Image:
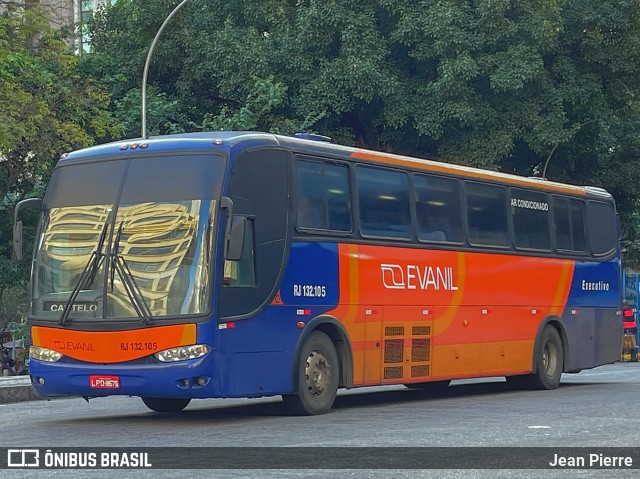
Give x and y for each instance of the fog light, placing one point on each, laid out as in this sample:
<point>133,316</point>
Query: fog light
<point>41,380</point>
<point>44,354</point>
<point>183,353</point>
<point>201,381</point>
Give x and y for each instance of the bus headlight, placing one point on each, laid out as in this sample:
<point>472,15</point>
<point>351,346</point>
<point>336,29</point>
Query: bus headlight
<point>182,353</point>
<point>44,354</point>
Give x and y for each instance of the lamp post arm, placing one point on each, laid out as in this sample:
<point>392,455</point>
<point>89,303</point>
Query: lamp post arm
<point>546,163</point>
<point>145,73</point>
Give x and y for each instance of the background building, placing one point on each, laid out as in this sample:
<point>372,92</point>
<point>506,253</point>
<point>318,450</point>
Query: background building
<point>82,11</point>
<point>66,13</point>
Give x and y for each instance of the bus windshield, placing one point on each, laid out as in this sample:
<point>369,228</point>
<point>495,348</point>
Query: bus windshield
<point>97,253</point>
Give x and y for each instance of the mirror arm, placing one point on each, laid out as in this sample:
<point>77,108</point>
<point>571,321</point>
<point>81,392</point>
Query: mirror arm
<point>29,203</point>
<point>226,203</point>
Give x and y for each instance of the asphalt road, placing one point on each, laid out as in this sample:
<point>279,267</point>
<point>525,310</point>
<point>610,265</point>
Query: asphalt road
<point>597,408</point>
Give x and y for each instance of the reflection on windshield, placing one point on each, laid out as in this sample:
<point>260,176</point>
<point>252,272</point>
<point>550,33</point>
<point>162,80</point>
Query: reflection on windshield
<point>70,236</point>
<point>164,244</point>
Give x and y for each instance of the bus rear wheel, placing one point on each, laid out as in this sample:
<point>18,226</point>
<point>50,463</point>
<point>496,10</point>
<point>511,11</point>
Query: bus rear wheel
<point>166,404</point>
<point>549,362</point>
<point>318,373</point>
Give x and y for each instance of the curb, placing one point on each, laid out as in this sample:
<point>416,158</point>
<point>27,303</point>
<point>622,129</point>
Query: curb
<point>14,390</point>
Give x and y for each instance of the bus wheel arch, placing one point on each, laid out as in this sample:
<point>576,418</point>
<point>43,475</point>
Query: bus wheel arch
<point>322,363</point>
<point>338,335</point>
<point>333,328</point>
<point>549,356</point>
<point>551,322</point>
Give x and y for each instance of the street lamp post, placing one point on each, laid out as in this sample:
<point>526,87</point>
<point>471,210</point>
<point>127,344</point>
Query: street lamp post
<point>145,73</point>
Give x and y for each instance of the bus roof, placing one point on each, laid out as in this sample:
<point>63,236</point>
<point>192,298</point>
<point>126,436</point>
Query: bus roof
<point>228,140</point>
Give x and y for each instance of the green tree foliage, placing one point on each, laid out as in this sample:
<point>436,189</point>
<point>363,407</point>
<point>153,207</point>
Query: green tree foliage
<point>47,108</point>
<point>544,85</point>
<point>473,82</point>
<point>631,244</point>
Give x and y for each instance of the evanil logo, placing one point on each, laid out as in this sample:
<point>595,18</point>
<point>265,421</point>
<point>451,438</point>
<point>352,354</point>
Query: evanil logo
<point>412,276</point>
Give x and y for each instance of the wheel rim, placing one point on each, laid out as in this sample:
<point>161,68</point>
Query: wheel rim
<point>549,358</point>
<point>318,373</point>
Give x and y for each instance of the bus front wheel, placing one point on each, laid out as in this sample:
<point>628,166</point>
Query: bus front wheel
<point>166,404</point>
<point>318,372</point>
<point>549,362</point>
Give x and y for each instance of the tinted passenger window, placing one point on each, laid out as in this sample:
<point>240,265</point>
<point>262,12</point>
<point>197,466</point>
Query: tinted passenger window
<point>602,227</point>
<point>384,202</point>
<point>530,213</point>
<point>438,211</point>
<point>570,225</point>
<point>487,214</point>
<point>322,196</point>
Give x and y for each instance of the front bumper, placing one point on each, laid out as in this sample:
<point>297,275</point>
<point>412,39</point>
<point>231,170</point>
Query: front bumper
<point>194,378</point>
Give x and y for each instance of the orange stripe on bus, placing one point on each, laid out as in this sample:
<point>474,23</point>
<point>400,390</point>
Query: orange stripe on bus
<point>113,346</point>
<point>564,285</point>
<point>428,165</point>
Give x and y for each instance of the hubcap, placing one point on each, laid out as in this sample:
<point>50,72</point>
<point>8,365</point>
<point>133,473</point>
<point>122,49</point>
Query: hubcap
<point>318,373</point>
<point>549,358</point>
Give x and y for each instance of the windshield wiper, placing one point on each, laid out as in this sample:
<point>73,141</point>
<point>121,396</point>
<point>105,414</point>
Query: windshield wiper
<point>131,287</point>
<point>87,276</point>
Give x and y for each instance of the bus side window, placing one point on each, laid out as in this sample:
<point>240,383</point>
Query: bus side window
<point>601,227</point>
<point>230,271</point>
<point>437,206</point>
<point>322,196</point>
<point>530,217</point>
<point>310,212</point>
<point>487,214</point>
<point>569,225</point>
<point>384,202</point>
<point>242,273</point>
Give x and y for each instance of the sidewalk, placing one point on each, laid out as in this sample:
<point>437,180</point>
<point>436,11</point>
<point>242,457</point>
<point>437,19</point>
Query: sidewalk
<point>16,389</point>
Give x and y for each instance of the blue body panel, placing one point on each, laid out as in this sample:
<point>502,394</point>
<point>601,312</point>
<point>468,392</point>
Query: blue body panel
<point>596,285</point>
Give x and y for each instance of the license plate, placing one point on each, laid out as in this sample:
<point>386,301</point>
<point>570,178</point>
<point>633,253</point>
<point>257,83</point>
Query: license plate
<point>104,382</point>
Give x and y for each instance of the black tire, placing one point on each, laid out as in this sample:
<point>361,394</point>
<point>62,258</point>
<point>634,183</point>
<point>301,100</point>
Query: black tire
<point>430,386</point>
<point>548,365</point>
<point>166,404</point>
<point>318,374</point>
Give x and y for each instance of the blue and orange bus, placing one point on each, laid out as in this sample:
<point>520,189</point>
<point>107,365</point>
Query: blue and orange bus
<point>243,264</point>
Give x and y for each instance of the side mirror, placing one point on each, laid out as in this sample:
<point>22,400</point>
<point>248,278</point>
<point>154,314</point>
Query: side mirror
<point>236,238</point>
<point>17,242</point>
<point>29,203</point>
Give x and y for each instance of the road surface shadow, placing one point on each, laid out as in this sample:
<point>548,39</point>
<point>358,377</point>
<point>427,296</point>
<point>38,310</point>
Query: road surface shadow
<point>221,411</point>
